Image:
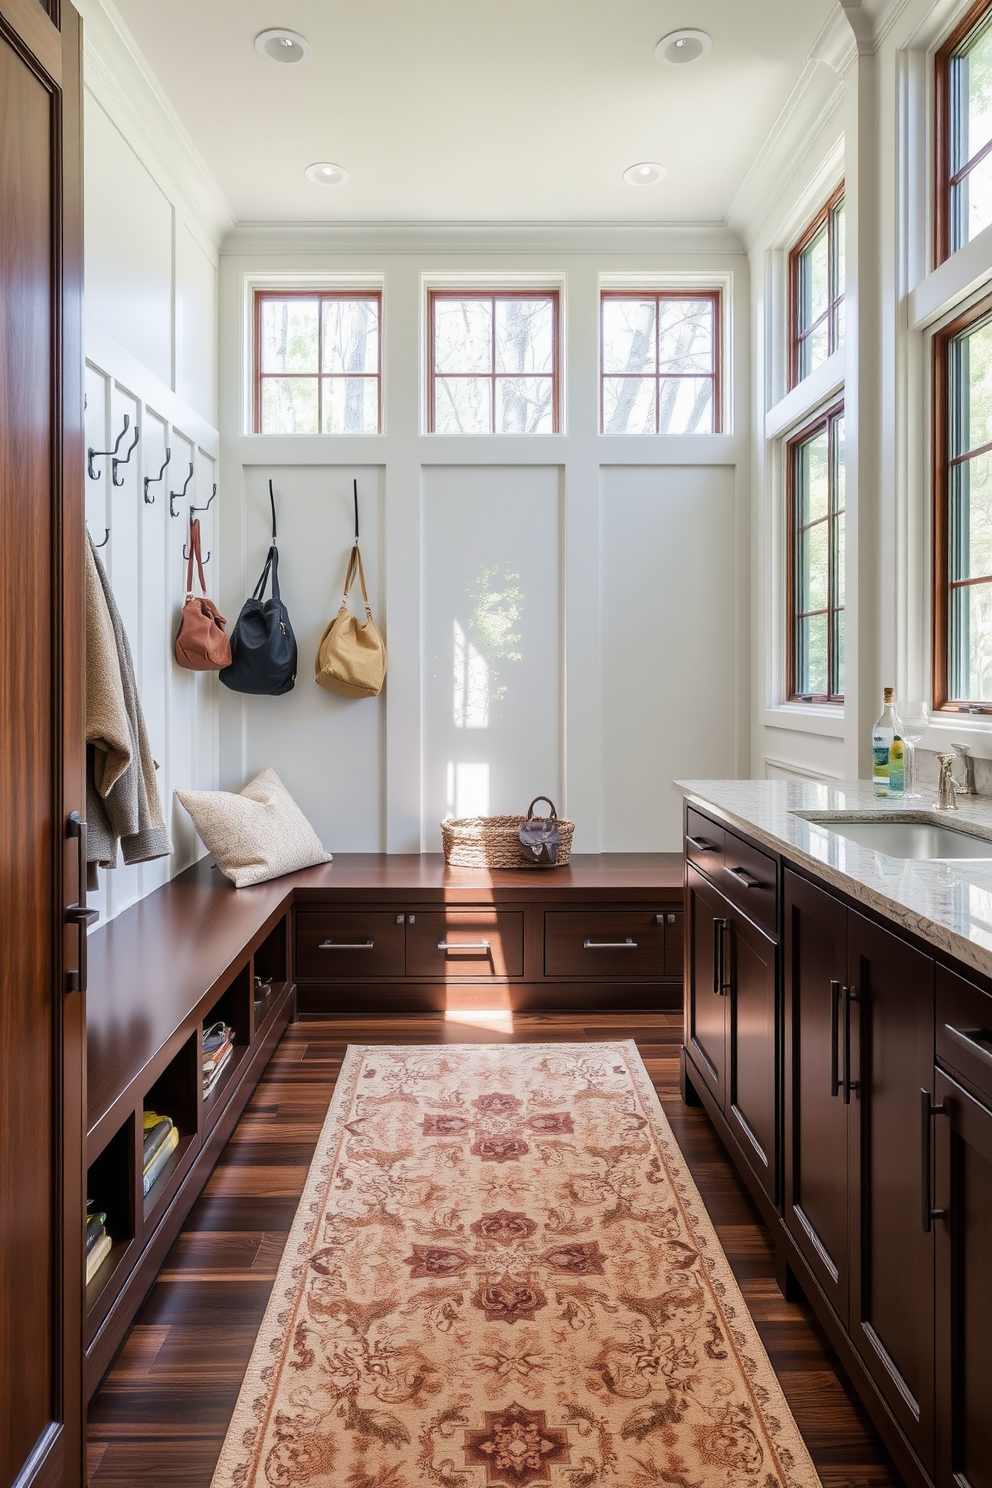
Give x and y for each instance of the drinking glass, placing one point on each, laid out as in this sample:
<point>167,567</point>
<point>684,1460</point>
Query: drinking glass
<point>914,716</point>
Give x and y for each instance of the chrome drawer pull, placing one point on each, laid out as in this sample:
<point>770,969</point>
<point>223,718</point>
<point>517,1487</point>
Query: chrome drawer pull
<point>465,945</point>
<point>346,945</point>
<point>610,945</point>
<point>700,844</point>
<point>743,878</point>
<point>975,1041</point>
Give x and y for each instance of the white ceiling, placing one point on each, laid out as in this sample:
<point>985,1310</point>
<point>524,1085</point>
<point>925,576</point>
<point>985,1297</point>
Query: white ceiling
<point>461,110</point>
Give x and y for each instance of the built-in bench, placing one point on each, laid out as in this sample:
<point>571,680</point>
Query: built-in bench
<point>367,933</point>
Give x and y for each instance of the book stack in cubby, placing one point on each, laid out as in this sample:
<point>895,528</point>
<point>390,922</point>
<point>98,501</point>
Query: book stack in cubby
<point>161,1138</point>
<point>218,1047</point>
<point>98,1242</point>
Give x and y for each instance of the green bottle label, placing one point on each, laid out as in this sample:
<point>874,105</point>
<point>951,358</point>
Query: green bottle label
<point>897,767</point>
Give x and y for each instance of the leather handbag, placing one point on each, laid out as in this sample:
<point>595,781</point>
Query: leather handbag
<point>540,836</point>
<point>351,657</point>
<point>263,646</point>
<point>201,642</point>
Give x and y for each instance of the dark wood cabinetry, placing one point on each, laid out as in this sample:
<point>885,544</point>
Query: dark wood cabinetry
<point>42,895</point>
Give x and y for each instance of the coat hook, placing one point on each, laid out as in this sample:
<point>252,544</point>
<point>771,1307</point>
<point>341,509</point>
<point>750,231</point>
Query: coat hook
<point>124,459</point>
<point>93,454</point>
<point>153,479</point>
<point>106,539</point>
<point>194,509</point>
<point>175,496</point>
<point>186,553</point>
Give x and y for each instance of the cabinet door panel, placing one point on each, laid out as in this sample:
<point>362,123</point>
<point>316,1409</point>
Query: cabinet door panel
<point>816,1118</point>
<point>706,1004</point>
<point>604,944</point>
<point>465,944</point>
<point>963,1186</point>
<point>674,942</point>
<point>892,1281</point>
<point>753,1103</point>
<point>344,944</point>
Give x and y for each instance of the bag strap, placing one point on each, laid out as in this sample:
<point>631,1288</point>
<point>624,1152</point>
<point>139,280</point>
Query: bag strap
<point>356,511</point>
<point>271,561</point>
<point>194,552</point>
<point>530,808</point>
<point>355,564</point>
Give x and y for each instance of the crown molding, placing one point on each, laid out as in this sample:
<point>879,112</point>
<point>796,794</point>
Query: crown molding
<point>120,79</point>
<point>633,238</point>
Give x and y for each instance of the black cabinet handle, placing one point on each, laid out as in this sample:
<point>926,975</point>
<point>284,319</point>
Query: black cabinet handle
<point>849,1085</point>
<point>834,1038</point>
<point>976,1041</point>
<point>700,844</point>
<point>718,928</point>
<point>726,961</point>
<point>78,914</point>
<point>745,879</point>
<point>929,1110</point>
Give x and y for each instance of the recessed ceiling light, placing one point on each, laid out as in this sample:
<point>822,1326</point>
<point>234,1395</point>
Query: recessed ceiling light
<point>679,47</point>
<point>645,174</point>
<point>283,46</point>
<point>323,173</point>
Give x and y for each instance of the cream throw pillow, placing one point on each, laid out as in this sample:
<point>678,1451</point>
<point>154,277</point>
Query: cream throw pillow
<point>257,835</point>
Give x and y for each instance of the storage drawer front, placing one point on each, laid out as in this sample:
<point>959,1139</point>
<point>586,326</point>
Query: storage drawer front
<point>465,945</point>
<point>612,943</point>
<point>750,881</point>
<point>704,843</point>
<point>348,944</point>
<point>964,1029</point>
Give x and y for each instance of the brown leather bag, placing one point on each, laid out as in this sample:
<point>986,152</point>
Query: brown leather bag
<point>201,644</point>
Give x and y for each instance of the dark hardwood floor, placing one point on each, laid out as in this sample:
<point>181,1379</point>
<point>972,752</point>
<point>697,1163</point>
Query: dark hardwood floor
<point>164,1407</point>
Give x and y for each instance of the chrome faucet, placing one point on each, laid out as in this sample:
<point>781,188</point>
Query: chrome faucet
<point>968,788</point>
<point>946,788</point>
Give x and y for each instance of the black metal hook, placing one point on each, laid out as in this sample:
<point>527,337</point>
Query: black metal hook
<point>125,459</point>
<point>194,509</point>
<point>92,454</point>
<point>175,496</point>
<point>106,539</point>
<point>186,553</point>
<point>151,480</point>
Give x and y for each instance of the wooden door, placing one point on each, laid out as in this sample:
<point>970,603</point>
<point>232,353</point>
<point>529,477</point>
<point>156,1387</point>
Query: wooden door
<point>962,1135</point>
<point>706,1003</point>
<point>891,994</point>
<point>41,727</point>
<point>815,1113</point>
<point>752,1104</point>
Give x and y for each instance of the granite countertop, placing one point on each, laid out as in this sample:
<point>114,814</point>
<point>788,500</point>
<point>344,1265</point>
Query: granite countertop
<point>947,903</point>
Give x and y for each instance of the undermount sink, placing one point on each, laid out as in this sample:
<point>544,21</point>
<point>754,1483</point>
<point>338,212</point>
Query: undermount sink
<point>910,839</point>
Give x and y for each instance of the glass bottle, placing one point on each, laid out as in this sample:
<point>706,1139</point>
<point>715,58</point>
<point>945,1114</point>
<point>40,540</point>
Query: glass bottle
<point>887,771</point>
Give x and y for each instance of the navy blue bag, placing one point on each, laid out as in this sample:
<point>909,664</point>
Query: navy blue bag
<point>263,646</point>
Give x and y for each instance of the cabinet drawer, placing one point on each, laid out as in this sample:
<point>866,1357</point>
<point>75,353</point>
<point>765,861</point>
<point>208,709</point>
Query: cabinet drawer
<point>750,881</point>
<point>704,842</point>
<point>608,944</point>
<point>964,1029</point>
<point>465,945</point>
<point>341,943</point>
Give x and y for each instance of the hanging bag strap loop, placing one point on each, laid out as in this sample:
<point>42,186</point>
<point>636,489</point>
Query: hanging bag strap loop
<point>194,552</point>
<point>355,565</point>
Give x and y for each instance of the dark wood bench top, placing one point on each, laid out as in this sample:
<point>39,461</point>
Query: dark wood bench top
<point>151,966</point>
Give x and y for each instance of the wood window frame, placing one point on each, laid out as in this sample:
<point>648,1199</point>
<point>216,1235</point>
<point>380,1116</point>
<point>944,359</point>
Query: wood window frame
<point>822,422</point>
<point>715,296</point>
<point>322,296</point>
<point>434,296</point>
<point>826,216</point>
<point>942,462</point>
<point>973,20</point>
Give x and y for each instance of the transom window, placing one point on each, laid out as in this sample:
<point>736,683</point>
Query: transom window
<point>816,279</point>
<point>964,132</point>
<point>660,362</point>
<point>317,362</point>
<point>816,560</point>
<point>494,362</point>
<point>963,512</point>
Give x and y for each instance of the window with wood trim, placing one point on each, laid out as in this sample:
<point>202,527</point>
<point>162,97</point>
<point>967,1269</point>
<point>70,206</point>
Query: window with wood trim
<point>963,512</point>
<point>660,367</point>
<point>816,560</point>
<point>816,291</point>
<point>963,132</point>
<point>493,362</point>
<point>318,358</point>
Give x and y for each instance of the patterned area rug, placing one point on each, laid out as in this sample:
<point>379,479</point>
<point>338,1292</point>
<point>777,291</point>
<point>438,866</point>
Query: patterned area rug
<point>501,1275</point>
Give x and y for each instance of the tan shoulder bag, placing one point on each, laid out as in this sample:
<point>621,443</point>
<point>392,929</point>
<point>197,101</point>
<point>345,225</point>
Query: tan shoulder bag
<point>351,657</point>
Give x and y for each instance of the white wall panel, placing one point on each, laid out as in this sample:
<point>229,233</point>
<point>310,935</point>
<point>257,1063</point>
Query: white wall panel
<point>196,325</point>
<point>668,645</point>
<point>129,247</point>
<point>326,749</point>
<point>492,645</point>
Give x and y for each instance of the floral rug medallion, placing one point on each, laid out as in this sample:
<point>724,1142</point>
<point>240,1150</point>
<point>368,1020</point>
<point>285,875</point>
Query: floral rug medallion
<point>501,1275</point>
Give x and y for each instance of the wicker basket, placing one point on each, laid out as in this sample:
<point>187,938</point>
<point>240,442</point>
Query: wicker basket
<point>494,842</point>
